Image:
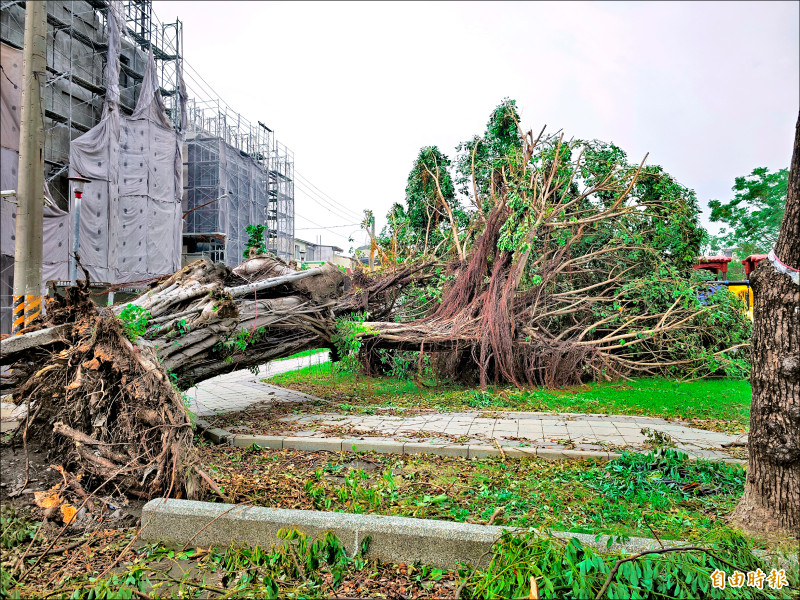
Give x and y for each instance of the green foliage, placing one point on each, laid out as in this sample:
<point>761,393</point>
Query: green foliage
<point>574,570</point>
<point>663,474</point>
<point>753,217</point>
<point>15,530</point>
<point>481,399</point>
<point>118,585</point>
<point>721,324</point>
<point>299,567</point>
<point>422,226</point>
<point>239,341</point>
<point>255,240</point>
<point>347,340</point>
<point>134,321</point>
<point>498,148</point>
<point>402,365</point>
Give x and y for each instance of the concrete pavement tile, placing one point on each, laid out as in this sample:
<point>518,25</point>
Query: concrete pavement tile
<point>604,429</point>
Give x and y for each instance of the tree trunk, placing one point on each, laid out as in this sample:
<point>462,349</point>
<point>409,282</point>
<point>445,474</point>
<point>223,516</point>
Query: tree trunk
<point>771,500</point>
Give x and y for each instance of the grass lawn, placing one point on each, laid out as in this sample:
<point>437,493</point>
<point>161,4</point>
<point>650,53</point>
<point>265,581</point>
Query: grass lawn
<point>305,353</point>
<point>636,494</point>
<point>718,404</point>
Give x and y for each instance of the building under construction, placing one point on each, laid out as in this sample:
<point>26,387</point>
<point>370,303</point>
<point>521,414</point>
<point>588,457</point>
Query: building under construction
<point>235,173</point>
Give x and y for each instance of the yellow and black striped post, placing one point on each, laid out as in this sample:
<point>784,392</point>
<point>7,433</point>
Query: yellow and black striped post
<point>18,319</point>
<point>33,306</point>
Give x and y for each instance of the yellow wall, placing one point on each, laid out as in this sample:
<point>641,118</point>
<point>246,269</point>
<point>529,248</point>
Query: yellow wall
<point>745,292</point>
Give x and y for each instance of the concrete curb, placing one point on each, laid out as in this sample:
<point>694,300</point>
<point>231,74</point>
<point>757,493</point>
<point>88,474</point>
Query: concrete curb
<point>215,434</point>
<point>442,544</point>
<point>409,448</point>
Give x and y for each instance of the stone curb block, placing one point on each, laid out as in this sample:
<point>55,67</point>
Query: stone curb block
<point>442,544</point>
<point>271,442</point>
<point>379,446</point>
<point>215,434</point>
<point>311,444</point>
<point>437,449</point>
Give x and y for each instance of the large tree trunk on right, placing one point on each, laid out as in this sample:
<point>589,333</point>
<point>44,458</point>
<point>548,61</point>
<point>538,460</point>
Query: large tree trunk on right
<point>771,498</point>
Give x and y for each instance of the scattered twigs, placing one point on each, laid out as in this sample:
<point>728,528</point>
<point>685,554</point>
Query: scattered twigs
<point>497,512</point>
<point>500,448</point>
<point>52,551</point>
<point>18,564</point>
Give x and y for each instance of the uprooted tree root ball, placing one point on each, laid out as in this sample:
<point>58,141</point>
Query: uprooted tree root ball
<point>105,408</point>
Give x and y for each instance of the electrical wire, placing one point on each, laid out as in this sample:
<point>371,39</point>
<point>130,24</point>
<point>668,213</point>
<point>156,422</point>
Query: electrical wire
<point>318,226</point>
<point>307,181</point>
<point>329,227</point>
<point>305,191</point>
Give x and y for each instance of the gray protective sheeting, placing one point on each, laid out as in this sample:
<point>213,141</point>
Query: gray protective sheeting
<point>131,217</point>
<point>56,221</point>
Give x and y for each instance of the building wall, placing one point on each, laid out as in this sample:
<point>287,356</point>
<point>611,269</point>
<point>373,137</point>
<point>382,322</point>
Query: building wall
<point>72,101</point>
<point>73,105</point>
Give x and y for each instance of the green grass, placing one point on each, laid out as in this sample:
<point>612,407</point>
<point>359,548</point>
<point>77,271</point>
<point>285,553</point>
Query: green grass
<point>305,353</point>
<point>633,495</point>
<point>719,404</point>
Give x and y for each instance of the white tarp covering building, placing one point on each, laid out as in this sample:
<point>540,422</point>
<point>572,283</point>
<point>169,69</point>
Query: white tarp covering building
<point>130,216</point>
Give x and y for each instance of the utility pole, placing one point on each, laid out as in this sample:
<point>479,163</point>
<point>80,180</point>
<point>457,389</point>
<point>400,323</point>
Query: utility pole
<point>30,181</point>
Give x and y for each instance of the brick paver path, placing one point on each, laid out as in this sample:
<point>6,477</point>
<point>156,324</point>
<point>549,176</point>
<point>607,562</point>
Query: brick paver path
<point>238,390</point>
<point>514,429</point>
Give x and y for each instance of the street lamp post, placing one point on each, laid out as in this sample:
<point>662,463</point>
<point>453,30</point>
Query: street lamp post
<point>78,184</point>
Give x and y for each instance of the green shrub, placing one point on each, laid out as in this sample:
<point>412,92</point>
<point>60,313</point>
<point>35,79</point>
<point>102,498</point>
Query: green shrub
<point>134,321</point>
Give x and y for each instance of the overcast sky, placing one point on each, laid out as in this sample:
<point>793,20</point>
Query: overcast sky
<point>710,90</point>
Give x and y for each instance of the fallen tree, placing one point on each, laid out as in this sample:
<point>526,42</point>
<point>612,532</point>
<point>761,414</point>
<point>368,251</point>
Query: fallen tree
<point>104,390</point>
<point>572,267</point>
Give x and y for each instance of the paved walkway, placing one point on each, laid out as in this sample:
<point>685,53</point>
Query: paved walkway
<point>238,390</point>
<point>226,393</point>
<point>573,431</point>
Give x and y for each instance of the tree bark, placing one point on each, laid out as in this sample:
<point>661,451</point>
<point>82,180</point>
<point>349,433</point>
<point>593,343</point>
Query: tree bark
<point>771,500</point>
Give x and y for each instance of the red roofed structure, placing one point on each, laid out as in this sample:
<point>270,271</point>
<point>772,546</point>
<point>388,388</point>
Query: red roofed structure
<point>715,264</point>
<point>751,262</point>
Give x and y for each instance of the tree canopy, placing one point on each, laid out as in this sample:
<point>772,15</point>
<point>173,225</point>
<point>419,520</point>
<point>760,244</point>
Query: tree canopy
<point>753,217</point>
<point>566,261</point>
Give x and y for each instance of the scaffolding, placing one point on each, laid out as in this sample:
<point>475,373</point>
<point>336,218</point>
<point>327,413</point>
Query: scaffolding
<point>280,210</point>
<point>76,54</point>
<point>75,89</point>
<point>236,174</point>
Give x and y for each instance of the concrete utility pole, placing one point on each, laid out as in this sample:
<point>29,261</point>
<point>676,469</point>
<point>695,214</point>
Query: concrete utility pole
<point>30,186</point>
